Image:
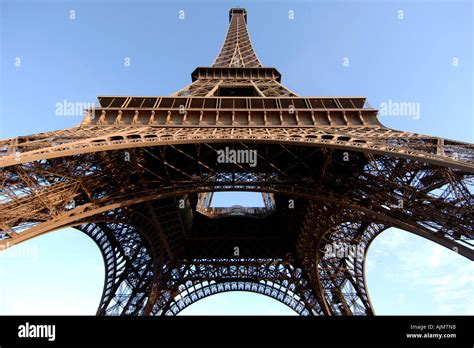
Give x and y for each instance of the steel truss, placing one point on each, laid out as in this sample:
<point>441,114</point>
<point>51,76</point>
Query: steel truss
<point>138,174</point>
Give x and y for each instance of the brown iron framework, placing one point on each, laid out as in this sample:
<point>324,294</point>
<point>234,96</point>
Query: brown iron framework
<point>138,173</point>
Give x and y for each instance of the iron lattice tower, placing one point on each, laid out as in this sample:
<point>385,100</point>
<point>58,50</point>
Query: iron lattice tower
<point>138,173</point>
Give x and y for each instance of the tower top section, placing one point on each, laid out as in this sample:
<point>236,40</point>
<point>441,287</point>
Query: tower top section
<point>238,11</point>
<point>237,50</point>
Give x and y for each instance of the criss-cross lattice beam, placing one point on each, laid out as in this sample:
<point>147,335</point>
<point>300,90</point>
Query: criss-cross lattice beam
<point>202,278</point>
<point>434,201</point>
<point>364,139</point>
<point>237,50</point>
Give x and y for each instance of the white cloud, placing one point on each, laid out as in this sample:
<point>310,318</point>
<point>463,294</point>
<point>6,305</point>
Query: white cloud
<point>434,280</point>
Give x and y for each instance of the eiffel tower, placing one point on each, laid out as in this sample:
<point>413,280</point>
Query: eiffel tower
<point>138,176</point>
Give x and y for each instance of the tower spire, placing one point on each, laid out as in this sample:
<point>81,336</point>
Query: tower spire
<point>237,50</point>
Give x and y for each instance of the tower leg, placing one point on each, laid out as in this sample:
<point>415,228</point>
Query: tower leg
<point>332,247</point>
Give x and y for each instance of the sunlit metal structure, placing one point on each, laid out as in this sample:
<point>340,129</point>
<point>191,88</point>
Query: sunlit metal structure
<point>137,176</point>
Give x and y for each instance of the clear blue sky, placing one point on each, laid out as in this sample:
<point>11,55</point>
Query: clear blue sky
<point>403,60</point>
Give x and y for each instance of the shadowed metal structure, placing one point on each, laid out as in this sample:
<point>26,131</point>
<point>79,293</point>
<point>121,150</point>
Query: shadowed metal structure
<point>137,176</point>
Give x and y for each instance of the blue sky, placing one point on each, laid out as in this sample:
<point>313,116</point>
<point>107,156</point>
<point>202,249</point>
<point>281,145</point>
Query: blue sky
<point>426,57</point>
